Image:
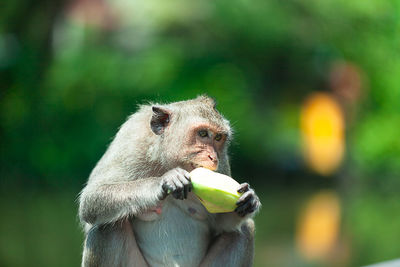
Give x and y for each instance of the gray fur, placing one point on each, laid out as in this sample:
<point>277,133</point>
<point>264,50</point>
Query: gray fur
<point>116,204</point>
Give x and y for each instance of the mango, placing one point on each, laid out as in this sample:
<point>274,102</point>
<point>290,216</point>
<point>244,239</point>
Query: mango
<point>217,192</point>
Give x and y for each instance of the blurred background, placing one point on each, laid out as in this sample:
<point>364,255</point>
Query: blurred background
<point>312,89</point>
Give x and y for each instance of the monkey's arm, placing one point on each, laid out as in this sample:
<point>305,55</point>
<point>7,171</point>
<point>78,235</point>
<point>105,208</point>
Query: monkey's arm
<point>234,242</point>
<point>232,248</point>
<point>102,203</point>
<point>107,202</point>
<point>229,222</point>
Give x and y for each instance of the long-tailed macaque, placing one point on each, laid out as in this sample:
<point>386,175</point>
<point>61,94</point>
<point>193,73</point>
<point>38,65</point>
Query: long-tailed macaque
<point>137,207</point>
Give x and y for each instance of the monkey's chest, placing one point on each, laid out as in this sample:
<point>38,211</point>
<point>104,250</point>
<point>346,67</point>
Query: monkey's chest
<point>176,238</point>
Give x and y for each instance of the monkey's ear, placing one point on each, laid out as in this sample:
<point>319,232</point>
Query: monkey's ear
<point>208,100</point>
<point>159,120</point>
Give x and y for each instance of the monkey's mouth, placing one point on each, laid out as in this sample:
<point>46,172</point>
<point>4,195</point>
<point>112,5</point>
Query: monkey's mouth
<point>195,166</point>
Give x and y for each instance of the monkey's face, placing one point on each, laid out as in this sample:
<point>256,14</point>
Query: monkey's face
<point>191,134</point>
<point>203,146</point>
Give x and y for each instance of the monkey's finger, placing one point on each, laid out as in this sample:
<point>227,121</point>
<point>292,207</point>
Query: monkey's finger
<point>186,184</point>
<point>185,191</point>
<point>183,179</point>
<point>178,193</point>
<point>164,193</point>
<point>248,211</point>
<point>179,189</point>
<point>171,186</point>
<point>244,198</point>
<point>243,188</point>
<point>241,213</point>
<point>190,187</point>
<point>167,188</point>
<point>244,207</point>
<point>248,206</point>
<point>254,205</point>
<point>185,174</point>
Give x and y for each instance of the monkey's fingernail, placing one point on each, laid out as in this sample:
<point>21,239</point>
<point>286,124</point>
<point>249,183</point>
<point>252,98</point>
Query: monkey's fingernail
<point>185,192</point>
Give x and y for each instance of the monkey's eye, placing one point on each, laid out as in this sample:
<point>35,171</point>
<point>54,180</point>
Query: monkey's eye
<point>218,137</point>
<point>203,133</point>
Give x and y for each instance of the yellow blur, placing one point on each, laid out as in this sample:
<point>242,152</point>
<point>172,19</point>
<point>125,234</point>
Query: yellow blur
<point>318,226</point>
<point>322,128</point>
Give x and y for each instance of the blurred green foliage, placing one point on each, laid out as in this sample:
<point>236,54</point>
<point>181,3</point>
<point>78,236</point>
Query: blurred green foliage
<point>68,81</point>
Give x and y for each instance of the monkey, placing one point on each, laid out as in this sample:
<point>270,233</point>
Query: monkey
<point>138,208</point>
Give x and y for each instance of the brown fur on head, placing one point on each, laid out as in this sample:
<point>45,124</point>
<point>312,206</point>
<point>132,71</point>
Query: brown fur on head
<point>191,133</point>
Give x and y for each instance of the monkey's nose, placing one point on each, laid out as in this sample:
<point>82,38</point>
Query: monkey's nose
<point>214,159</point>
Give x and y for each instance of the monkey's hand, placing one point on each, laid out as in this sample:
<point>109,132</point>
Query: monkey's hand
<point>176,182</point>
<point>248,202</point>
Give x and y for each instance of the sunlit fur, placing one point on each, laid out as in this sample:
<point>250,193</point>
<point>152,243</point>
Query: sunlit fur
<point>126,183</point>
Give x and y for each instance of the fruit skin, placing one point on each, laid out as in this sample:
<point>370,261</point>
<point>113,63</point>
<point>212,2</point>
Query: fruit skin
<point>217,192</point>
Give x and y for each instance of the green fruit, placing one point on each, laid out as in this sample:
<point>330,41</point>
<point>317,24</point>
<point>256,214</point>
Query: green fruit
<point>217,192</point>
